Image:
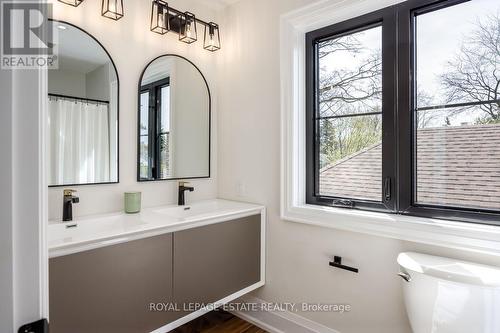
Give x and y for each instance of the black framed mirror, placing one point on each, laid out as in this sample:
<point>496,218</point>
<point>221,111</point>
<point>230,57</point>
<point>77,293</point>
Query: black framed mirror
<point>83,111</point>
<point>174,120</point>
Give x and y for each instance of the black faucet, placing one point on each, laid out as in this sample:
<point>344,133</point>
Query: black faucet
<point>181,201</point>
<point>68,201</point>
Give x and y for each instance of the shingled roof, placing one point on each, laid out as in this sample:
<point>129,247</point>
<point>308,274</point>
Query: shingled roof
<point>456,166</point>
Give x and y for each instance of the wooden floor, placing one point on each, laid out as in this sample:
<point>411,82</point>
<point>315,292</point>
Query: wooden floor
<point>218,322</point>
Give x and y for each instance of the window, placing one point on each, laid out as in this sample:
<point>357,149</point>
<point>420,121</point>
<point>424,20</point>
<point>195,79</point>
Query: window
<point>155,143</point>
<point>457,106</point>
<point>403,111</point>
<point>350,80</point>
<point>349,116</point>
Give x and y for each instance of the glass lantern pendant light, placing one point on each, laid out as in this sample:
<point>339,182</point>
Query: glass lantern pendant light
<point>160,22</point>
<point>112,9</point>
<point>187,31</point>
<point>74,3</point>
<point>211,40</point>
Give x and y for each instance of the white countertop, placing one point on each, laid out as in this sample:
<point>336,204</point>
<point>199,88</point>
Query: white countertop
<point>102,230</point>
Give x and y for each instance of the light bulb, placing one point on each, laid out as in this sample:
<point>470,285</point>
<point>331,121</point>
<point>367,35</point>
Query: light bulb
<point>161,23</point>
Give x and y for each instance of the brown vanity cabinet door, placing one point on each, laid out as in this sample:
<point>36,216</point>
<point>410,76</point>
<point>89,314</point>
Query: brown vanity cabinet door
<point>214,261</point>
<point>110,289</point>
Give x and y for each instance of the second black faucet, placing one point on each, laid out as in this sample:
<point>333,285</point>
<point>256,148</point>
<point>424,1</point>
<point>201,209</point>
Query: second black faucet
<point>181,201</point>
<point>68,200</point>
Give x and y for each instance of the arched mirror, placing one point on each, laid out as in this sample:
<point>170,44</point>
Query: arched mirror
<point>83,111</point>
<point>173,121</point>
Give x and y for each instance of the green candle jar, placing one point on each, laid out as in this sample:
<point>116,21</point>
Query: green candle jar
<point>132,202</point>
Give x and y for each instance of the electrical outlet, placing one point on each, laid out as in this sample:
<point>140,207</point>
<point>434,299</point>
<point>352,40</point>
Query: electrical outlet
<point>241,189</point>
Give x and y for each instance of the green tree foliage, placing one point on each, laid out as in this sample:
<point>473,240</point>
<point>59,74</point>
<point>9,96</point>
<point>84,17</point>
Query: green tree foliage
<point>344,137</point>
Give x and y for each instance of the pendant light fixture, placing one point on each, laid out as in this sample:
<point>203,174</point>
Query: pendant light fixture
<point>187,28</point>
<point>160,18</point>
<point>211,39</point>
<point>112,9</point>
<point>74,3</point>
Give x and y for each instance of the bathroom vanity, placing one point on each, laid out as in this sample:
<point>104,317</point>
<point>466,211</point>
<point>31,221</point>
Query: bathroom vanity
<point>155,270</point>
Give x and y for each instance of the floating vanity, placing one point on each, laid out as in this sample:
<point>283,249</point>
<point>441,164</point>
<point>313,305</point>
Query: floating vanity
<point>153,270</point>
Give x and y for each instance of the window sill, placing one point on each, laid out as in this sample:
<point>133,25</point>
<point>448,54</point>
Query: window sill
<point>458,235</point>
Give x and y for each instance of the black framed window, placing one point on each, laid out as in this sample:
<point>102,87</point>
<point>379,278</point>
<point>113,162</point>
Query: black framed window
<point>436,96</point>
<point>350,113</point>
<point>154,146</point>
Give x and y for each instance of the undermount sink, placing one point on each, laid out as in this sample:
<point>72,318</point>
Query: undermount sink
<point>189,211</point>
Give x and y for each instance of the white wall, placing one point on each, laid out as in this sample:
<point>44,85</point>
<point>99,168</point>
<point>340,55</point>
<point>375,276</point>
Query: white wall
<point>94,84</point>
<point>97,83</point>
<point>249,169</point>
<point>189,120</point>
<point>22,207</point>
<point>28,198</point>
<point>66,82</point>
<point>132,45</point>
<point>6,227</point>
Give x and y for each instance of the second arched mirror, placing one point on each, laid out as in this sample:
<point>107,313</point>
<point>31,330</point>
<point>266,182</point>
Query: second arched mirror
<point>173,121</point>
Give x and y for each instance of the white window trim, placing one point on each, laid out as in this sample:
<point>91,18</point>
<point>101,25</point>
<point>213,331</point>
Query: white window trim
<point>294,26</point>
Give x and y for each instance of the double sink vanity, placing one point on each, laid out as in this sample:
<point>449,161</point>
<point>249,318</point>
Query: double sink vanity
<point>160,267</point>
<point>155,270</point>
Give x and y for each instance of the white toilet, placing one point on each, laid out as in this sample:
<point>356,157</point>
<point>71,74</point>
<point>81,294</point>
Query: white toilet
<point>444,295</point>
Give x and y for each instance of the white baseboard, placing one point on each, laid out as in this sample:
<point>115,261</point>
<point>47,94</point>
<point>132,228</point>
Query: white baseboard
<point>279,321</point>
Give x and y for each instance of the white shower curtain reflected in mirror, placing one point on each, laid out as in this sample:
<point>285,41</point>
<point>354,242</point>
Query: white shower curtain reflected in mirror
<point>79,140</point>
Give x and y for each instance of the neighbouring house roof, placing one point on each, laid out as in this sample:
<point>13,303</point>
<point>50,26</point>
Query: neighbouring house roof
<point>456,166</point>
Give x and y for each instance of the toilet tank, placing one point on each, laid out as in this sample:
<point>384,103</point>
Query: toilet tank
<point>445,295</point>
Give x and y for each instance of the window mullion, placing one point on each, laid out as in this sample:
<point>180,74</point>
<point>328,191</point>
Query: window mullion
<point>404,118</point>
<point>389,107</point>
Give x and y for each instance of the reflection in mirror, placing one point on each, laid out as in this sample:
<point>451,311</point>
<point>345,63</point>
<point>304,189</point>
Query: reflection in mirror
<point>174,121</point>
<point>83,111</point>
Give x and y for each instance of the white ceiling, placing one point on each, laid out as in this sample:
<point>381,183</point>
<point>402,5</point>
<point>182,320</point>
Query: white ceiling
<point>228,2</point>
<point>221,3</point>
<point>78,51</point>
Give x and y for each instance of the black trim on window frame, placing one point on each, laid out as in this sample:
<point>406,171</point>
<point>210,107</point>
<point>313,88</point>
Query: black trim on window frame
<point>398,143</point>
<point>383,18</point>
<point>154,123</point>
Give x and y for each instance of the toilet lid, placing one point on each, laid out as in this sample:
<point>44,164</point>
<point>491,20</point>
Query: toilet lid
<point>450,269</point>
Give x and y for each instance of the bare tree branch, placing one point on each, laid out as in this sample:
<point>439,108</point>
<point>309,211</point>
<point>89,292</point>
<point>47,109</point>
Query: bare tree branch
<point>345,43</point>
<point>341,89</point>
<point>473,73</point>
